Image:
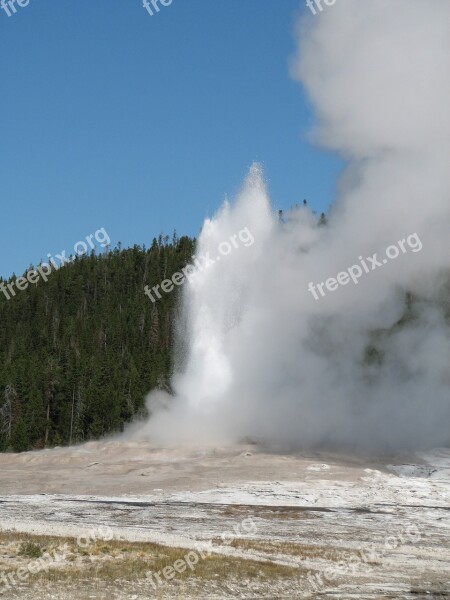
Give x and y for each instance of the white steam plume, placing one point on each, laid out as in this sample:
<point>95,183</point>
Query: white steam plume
<point>260,357</point>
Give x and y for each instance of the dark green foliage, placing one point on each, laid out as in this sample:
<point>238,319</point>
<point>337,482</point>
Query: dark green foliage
<point>79,352</point>
<point>30,550</point>
<point>374,353</point>
<point>323,219</point>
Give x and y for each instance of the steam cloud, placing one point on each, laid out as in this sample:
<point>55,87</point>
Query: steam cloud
<point>258,357</point>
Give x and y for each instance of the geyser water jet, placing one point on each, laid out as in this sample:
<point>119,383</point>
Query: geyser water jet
<point>366,366</point>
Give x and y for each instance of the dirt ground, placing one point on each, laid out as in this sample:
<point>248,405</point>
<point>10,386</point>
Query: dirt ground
<point>253,524</point>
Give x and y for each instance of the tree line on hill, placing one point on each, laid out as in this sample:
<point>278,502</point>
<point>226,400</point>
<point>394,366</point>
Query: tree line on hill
<point>79,353</point>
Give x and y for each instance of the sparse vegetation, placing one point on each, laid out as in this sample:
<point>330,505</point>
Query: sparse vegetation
<point>112,561</point>
<point>30,550</point>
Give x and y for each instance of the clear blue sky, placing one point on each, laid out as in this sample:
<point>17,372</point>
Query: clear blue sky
<point>113,118</point>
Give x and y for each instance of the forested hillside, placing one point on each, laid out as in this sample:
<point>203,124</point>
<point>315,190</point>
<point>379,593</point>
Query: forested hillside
<point>79,352</point>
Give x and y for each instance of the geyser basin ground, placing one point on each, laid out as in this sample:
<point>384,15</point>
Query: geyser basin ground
<point>385,523</point>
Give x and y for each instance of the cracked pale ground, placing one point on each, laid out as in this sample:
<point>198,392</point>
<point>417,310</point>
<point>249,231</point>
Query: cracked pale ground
<point>323,525</point>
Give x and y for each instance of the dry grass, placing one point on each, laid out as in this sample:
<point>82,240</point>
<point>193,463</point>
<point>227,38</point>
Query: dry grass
<point>295,550</point>
<point>115,561</point>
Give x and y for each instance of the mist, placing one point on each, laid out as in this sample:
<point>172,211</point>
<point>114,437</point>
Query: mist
<point>258,356</point>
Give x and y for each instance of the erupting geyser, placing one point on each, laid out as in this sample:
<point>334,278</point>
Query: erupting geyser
<point>258,356</point>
